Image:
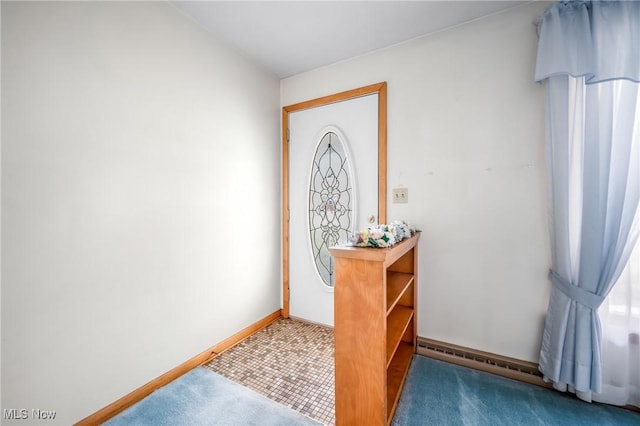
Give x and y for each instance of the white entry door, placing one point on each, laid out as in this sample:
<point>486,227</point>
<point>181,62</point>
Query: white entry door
<point>333,192</point>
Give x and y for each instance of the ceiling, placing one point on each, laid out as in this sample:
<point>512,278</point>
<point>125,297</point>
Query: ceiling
<point>291,37</point>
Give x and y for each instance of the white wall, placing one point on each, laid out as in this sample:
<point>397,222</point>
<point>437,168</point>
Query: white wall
<point>465,136</point>
<point>140,199</point>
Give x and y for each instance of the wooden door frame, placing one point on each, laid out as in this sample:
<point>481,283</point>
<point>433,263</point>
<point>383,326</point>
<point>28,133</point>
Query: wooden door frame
<point>381,90</point>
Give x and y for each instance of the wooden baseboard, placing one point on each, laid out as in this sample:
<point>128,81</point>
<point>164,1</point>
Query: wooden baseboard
<point>632,408</point>
<point>128,400</point>
<point>512,368</point>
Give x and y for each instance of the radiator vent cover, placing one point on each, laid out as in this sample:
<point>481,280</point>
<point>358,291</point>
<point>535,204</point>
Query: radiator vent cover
<point>497,364</point>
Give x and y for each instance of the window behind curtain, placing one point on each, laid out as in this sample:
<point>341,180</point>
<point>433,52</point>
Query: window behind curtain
<point>620,319</point>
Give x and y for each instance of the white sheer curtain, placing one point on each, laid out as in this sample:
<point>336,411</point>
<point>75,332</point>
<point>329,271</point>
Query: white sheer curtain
<point>620,318</point>
<point>589,60</point>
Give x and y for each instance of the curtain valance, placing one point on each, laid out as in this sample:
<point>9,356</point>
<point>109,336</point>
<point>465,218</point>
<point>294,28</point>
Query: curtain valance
<point>576,40</point>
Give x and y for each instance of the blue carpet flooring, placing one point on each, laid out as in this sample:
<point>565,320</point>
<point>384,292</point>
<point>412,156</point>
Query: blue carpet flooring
<point>202,397</point>
<point>435,393</point>
<point>438,393</point>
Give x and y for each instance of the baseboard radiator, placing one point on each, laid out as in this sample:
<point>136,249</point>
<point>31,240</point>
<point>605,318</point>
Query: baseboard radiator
<point>511,368</point>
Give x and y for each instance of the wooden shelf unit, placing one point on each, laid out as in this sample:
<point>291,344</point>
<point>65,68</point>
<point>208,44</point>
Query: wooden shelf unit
<point>375,329</point>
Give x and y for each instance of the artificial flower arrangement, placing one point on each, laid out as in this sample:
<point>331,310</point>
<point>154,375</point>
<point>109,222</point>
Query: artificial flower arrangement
<point>384,235</point>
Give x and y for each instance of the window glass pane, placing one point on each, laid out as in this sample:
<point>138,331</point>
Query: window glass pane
<point>330,202</point>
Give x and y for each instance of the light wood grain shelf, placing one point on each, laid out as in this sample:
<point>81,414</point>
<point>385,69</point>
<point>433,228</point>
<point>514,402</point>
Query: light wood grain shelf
<point>374,328</point>
<point>397,283</point>
<point>396,374</point>
<point>397,324</point>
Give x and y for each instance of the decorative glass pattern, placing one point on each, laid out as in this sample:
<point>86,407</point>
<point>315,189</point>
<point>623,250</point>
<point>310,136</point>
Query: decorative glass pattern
<point>330,202</point>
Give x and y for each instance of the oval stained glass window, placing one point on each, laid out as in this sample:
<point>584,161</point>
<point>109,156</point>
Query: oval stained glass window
<point>331,198</point>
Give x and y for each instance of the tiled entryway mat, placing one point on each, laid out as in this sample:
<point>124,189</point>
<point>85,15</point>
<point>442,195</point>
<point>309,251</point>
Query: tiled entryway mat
<point>289,361</point>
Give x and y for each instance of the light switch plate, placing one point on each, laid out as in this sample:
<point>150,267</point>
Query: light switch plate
<point>400,195</point>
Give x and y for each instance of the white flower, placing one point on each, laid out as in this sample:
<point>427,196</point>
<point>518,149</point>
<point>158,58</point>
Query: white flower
<point>384,235</point>
<point>376,233</point>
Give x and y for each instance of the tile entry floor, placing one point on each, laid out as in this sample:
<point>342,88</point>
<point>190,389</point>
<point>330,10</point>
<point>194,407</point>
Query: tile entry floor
<point>290,362</point>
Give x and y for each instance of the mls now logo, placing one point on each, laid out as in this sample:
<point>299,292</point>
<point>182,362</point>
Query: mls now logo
<point>23,414</point>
